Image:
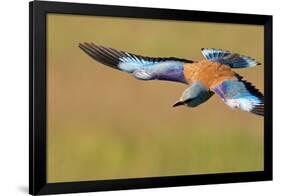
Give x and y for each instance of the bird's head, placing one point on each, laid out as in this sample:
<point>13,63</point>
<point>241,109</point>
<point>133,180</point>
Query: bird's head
<point>194,95</point>
<point>186,99</point>
<point>179,103</point>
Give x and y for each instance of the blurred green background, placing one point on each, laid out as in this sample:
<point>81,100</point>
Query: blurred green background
<point>104,124</point>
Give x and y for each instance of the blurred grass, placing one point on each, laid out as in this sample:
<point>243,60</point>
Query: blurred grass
<point>104,124</point>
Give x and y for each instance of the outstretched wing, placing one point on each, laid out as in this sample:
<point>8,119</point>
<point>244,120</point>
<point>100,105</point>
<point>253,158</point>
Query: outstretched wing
<point>241,94</point>
<point>142,67</point>
<point>233,60</point>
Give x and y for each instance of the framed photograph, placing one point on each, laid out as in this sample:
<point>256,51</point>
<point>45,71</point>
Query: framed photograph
<point>131,97</point>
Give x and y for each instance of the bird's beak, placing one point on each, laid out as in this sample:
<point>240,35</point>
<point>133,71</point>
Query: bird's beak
<point>178,103</point>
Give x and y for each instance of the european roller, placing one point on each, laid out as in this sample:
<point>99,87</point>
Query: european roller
<point>212,75</point>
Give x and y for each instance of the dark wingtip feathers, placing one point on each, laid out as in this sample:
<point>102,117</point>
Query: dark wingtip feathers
<point>259,110</point>
<point>101,54</point>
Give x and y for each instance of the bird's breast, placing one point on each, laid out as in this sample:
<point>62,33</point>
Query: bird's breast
<point>209,73</point>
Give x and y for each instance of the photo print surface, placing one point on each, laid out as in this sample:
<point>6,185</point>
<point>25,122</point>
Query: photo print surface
<point>104,123</point>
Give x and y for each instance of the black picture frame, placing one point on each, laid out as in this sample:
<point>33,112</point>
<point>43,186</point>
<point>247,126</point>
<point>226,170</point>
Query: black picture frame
<point>37,97</point>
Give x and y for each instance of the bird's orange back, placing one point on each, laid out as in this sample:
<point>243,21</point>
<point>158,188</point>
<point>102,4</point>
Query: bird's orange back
<point>209,73</point>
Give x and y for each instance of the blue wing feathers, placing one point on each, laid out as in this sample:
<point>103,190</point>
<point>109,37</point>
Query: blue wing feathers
<point>142,67</point>
<point>241,94</point>
<point>239,88</point>
<point>113,57</point>
<point>233,60</point>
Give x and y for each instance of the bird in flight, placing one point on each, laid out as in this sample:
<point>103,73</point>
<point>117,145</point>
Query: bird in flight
<point>212,75</point>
